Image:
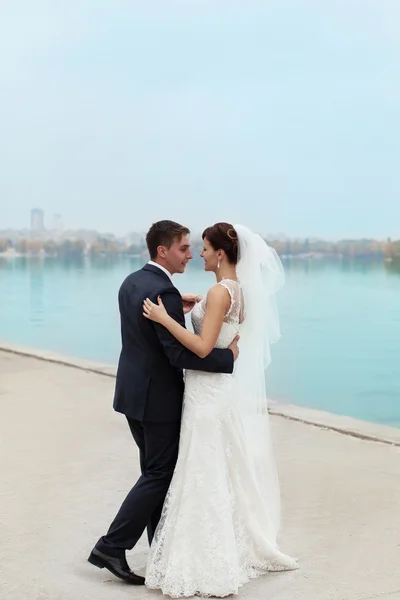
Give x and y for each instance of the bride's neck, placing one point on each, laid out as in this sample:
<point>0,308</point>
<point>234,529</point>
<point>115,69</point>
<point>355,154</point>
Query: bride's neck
<point>228,272</point>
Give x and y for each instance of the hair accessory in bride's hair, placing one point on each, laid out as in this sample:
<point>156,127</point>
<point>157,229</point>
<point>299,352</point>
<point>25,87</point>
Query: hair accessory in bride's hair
<point>232,235</point>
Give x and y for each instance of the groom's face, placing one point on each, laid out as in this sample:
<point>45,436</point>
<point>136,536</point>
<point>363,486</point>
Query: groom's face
<point>178,255</point>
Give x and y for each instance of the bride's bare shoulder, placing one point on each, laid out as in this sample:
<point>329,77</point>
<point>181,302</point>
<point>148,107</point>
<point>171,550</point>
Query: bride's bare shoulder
<point>218,294</point>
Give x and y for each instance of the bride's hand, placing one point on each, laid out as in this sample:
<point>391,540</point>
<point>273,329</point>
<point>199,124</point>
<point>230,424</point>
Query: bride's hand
<point>155,312</point>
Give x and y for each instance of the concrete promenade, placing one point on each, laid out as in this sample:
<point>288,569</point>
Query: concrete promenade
<point>67,461</point>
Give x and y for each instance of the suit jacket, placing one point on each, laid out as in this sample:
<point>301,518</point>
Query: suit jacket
<point>149,385</point>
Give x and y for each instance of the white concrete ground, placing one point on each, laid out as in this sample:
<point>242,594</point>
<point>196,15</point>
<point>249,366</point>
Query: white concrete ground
<point>67,460</point>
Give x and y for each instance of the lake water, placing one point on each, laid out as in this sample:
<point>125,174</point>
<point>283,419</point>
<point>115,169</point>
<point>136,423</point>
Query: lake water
<point>339,352</point>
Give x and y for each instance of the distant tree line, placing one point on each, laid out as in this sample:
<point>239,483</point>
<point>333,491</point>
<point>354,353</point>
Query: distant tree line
<point>303,248</point>
<point>69,247</point>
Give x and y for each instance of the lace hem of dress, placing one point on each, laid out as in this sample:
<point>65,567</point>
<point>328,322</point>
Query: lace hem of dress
<point>213,589</point>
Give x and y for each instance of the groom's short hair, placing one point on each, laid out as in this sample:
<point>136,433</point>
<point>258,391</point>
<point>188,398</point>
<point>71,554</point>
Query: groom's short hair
<point>164,233</point>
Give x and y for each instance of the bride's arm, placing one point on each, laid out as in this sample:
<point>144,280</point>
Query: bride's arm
<point>218,302</point>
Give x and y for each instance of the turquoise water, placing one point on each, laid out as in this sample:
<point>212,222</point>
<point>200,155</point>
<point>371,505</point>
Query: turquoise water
<point>340,349</point>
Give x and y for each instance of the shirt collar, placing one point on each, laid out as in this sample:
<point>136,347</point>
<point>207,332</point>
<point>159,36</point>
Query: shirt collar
<point>151,262</point>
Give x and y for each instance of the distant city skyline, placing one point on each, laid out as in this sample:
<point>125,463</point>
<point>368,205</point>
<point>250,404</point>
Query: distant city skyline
<point>56,222</point>
<point>37,219</point>
<point>282,116</point>
<point>38,226</point>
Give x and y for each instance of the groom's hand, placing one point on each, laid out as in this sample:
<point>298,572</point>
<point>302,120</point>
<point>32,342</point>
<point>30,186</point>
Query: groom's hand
<point>234,347</point>
<point>188,306</point>
<point>189,301</point>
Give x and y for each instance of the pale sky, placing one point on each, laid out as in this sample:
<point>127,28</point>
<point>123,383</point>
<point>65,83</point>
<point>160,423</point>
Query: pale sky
<point>282,115</point>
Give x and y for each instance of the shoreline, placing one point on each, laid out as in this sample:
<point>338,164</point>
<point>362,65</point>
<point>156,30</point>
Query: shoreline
<point>341,424</point>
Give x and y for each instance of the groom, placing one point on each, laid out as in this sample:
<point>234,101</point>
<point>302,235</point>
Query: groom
<point>149,391</point>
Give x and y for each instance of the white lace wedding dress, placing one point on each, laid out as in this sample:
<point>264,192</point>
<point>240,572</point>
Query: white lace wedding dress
<point>214,533</point>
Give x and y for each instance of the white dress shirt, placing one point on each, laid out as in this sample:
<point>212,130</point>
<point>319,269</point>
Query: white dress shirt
<point>160,267</point>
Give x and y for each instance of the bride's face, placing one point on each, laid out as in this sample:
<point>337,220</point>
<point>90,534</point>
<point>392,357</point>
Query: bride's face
<point>210,256</point>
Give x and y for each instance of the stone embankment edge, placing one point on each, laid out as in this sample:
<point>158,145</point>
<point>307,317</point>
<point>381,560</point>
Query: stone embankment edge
<point>343,425</point>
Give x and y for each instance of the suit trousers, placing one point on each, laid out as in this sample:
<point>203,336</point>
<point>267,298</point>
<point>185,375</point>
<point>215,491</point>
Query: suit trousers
<point>158,445</point>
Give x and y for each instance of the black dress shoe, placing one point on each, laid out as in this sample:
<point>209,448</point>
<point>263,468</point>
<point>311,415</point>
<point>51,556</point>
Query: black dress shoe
<point>117,566</point>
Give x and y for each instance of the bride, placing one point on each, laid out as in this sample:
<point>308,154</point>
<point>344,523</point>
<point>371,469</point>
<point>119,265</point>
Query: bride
<point>221,516</point>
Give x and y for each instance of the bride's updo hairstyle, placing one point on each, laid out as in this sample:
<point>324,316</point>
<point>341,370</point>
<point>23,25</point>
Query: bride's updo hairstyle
<point>223,236</point>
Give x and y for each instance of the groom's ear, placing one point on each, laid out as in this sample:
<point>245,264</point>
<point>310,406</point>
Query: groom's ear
<point>161,251</point>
